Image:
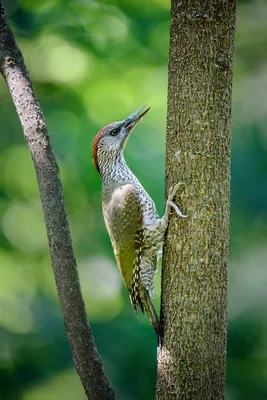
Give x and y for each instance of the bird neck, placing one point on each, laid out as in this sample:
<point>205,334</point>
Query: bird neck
<point>113,168</point>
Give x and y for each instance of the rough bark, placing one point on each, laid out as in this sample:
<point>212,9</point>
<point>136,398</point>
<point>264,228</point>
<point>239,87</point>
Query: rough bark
<point>86,358</point>
<point>191,364</point>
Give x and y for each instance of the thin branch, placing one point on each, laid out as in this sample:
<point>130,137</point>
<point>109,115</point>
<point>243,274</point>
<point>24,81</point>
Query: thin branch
<point>86,358</point>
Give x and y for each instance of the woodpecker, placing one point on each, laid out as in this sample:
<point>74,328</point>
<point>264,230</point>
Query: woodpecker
<point>134,226</point>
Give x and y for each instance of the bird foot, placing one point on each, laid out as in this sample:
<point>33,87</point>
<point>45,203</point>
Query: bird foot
<point>176,209</point>
<point>171,196</point>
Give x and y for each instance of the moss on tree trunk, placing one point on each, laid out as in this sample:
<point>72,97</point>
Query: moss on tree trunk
<point>192,362</point>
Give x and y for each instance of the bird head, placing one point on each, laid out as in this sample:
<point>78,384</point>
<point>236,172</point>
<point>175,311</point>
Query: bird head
<point>111,140</point>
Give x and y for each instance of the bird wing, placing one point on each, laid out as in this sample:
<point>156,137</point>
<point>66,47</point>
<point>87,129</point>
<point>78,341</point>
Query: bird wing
<point>123,217</point>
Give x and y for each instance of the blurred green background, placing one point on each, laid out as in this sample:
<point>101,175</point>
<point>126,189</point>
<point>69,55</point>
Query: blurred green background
<point>92,63</point>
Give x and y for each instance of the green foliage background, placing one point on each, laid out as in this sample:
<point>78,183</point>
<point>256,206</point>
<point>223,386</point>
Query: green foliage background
<point>93,62</point>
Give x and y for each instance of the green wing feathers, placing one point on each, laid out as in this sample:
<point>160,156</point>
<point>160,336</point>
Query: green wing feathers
<point>123,217</point>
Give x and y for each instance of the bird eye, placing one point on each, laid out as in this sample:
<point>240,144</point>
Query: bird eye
<point>114,132</point>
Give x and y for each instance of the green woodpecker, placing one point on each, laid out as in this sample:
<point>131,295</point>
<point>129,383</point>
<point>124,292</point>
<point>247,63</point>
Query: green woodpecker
<point>131,218</point>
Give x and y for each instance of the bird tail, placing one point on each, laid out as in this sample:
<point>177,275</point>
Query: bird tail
<point>146,304</point>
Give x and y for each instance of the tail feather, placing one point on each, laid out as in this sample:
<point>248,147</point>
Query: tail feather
<point>140,304</point>
<point>151,313</point>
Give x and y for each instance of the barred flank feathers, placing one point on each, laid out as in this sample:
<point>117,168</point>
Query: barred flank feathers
<point>134,289</point>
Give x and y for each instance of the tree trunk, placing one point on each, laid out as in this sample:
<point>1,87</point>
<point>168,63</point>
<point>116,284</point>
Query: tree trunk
<point>86,358</point>
<point>191,364</point>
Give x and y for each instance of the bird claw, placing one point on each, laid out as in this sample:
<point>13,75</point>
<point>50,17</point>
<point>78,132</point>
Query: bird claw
<point>176,208</point>
<point>171,196</point>
<point>174,189</point>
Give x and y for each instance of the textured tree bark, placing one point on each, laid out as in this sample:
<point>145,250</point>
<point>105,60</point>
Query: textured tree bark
<point>191,364</point>
<point>86,358</point>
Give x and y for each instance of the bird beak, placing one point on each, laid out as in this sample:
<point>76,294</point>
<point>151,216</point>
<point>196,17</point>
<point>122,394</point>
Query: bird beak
<point>134,118</point>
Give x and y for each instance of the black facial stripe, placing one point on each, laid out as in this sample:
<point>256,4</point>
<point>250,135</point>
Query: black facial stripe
<point>114,132</point>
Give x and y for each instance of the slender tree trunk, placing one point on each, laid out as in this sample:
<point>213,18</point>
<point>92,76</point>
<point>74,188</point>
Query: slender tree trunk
<point>191,364</point>
<point>86,358</point>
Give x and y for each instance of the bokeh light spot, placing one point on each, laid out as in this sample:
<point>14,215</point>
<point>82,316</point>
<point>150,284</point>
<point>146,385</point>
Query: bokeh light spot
<point>23,226</point>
